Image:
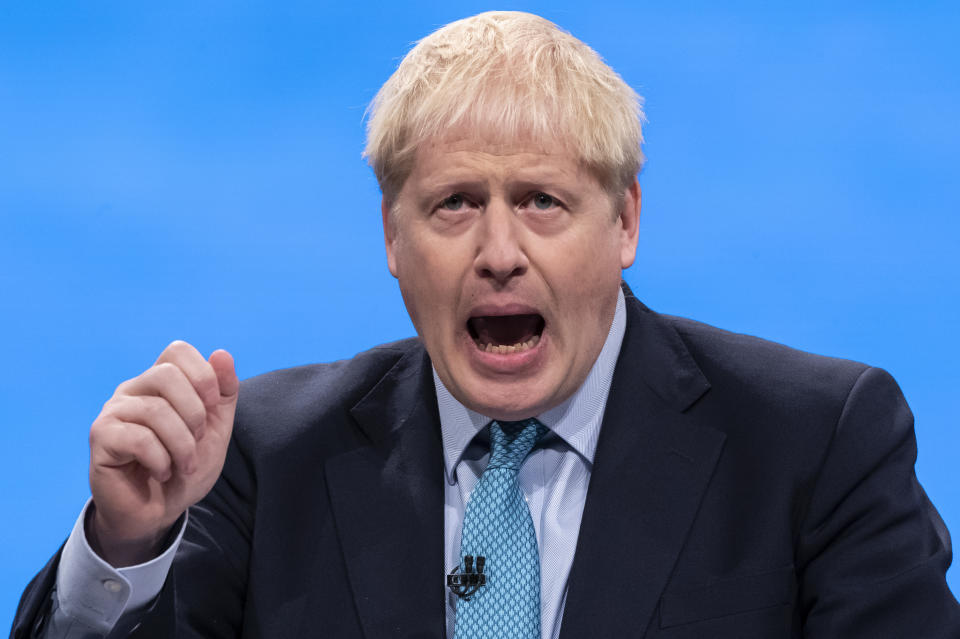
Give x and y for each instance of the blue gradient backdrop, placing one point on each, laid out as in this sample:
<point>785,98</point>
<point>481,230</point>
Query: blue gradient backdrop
<point>192,170</point>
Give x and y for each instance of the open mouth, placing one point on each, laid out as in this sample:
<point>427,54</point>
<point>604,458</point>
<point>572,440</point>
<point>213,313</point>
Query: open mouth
<point>506,333</point>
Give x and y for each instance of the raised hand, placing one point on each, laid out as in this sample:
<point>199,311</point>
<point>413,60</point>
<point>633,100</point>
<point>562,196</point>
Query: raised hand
<point>157,448</point>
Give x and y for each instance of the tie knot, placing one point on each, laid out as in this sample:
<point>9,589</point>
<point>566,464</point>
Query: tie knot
<point>511,442</point>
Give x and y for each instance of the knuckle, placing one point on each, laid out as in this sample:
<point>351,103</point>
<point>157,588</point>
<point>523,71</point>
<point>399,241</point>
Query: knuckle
<point>156,411</point>
<point>95,433</point>
<point>197,417</point>
<point>183,451</point>
<point>166,370</point>
<point>140,442</point>
<point>148,407</point>
<point>123,388</point>
<point>109,407</point>
<point>120,408</point>
<point>178,349</point>
<point>101,428</point>
<point>208,385</point>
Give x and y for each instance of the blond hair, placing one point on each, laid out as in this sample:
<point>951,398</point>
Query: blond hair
<point>508,75</point>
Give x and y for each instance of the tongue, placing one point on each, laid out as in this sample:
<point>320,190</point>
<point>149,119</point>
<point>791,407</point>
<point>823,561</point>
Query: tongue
<point>506,329</point>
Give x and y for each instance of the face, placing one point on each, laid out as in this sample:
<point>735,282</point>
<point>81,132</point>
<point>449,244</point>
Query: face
<point>509,259</point>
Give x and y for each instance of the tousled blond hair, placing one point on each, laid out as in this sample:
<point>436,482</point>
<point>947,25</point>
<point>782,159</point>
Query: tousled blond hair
<point>506,75</point>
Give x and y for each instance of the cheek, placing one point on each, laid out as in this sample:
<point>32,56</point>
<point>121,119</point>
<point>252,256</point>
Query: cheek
<point>584,278</point>
<point>584,266</point>
<point>429,279</point>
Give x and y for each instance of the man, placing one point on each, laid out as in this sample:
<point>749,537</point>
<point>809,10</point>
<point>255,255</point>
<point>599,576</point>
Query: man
<point>549,458</point>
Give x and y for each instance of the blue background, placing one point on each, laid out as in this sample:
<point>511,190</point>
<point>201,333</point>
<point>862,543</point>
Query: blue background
<point>193,171</point>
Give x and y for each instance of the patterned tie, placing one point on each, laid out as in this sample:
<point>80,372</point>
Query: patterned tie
<point>497,526</point>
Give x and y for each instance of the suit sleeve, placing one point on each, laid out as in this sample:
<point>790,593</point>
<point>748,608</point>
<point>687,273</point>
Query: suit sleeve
<point>36,602</point>
<point>873,552</point>
<point>204,590</point>
<point>204,593</point>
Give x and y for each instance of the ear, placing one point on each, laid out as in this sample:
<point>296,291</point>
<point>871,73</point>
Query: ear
<point>629,222</point>
<point>389,236</point>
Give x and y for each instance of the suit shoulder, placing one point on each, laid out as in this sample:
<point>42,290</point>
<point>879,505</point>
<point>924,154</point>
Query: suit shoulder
<point>787,403</point>
<point>360,371</point>
<point>730,359</point>
<point>288,400</point>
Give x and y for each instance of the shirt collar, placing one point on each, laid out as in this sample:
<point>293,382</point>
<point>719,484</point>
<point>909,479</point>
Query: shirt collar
<point>576,421</point>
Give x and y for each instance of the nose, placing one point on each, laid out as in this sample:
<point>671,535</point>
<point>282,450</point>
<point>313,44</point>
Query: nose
<point>500,255</point>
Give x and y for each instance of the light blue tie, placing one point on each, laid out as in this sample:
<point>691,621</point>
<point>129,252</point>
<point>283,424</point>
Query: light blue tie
<point>497,526</point>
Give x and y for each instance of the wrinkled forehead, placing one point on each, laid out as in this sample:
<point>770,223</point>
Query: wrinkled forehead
<point>487,145</point>
<point>487,138</point>
<point>471,157</point>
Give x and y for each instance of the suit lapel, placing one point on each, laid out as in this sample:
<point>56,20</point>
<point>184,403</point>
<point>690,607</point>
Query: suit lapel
<point>651,468</point>
<point>387,500</point>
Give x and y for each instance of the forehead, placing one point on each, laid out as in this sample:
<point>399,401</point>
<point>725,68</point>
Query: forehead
<point>465,155</point>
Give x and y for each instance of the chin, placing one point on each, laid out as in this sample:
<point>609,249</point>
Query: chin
<point>512,402</point>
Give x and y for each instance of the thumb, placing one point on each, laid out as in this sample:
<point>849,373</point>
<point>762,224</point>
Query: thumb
<point>222,363</point>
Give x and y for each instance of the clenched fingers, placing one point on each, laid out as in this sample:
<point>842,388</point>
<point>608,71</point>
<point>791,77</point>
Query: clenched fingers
<point>197,369</point>
<point>115,443</point>
<point>158,415</point>
<point>168,381</point>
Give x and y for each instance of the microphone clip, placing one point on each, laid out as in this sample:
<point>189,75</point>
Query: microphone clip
<point>466,584</point>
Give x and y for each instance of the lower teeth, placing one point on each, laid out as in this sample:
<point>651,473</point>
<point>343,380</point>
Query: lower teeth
<point>514,348</point>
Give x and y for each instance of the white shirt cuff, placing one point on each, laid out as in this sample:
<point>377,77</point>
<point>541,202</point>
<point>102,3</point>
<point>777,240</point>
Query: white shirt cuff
<point>94,593</point>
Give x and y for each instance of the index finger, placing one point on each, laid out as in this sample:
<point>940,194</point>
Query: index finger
<point>196,368</point>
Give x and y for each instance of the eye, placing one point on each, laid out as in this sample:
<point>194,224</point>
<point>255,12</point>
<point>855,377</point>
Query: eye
<point>543,201</point>
<point>453,203</point>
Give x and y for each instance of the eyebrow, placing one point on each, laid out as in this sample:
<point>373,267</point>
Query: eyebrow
<point>551,187</point>
<point>551,182</point>
<point>435,190</point>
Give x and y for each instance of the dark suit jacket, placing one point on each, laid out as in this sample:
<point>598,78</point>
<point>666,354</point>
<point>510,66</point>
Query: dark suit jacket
<point>740,489</point>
